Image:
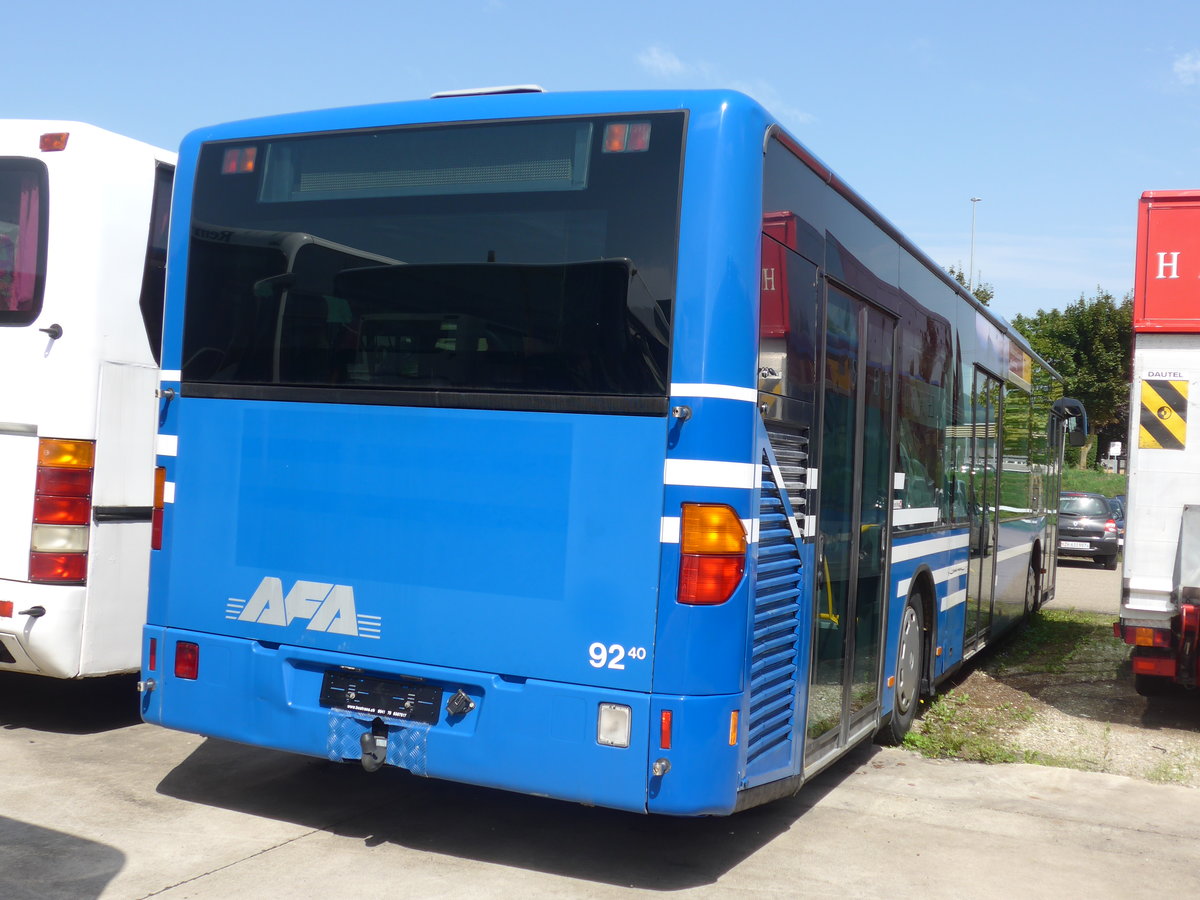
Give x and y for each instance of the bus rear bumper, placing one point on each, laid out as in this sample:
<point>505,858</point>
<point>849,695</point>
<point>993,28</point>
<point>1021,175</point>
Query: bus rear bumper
<point>41,628</point>
<point>525,735</point>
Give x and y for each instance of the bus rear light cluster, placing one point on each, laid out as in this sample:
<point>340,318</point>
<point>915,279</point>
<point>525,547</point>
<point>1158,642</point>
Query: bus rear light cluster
<point>156,517</point>
<point>62,511</point>
<point>713,553</point>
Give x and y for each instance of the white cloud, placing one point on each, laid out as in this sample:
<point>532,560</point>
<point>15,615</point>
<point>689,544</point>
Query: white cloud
<point>661,61</point>
<point>1187,68</point>
<point>789,114</point>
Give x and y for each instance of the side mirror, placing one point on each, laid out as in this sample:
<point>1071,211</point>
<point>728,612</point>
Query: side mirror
<point>1073,412</point>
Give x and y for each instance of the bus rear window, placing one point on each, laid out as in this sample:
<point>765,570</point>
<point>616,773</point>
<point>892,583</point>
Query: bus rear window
<point>505,259</point>
<point>22,240</point>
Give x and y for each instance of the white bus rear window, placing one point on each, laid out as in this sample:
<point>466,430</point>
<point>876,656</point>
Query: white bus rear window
<point>22,240</point>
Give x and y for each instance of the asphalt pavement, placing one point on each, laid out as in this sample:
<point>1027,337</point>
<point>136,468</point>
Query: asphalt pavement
<point>96,804</point>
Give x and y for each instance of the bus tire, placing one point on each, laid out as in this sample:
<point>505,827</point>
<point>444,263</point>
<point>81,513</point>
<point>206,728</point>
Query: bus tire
<point>1033,589</point>
<point>910,664</point>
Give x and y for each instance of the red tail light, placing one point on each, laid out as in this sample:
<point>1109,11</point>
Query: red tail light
<point>1143,637</point>
<point>152,655</point>
<point>58,568</point>
<point>187,660</point>
<point>1110,527</point>
<point>664,730</point>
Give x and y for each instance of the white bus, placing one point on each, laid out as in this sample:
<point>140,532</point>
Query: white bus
<point>83,226</point>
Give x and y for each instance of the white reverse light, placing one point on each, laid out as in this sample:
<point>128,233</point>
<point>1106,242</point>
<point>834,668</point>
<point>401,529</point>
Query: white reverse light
<point>613,724</point>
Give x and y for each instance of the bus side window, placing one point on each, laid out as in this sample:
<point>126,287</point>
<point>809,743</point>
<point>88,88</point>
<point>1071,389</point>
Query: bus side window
<point>154,274</point>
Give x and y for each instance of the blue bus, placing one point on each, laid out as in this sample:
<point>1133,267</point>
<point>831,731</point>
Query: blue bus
<point>602,446</point>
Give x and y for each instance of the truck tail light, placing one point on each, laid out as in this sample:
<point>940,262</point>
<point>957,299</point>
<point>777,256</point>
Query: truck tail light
<point>713,554</point>
<point>1153,665</point>
<point>62,511</point>
<point>1140,636</point>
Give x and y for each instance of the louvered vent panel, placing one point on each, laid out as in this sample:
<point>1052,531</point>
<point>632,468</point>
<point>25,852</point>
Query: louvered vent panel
<point>791,455</point>
<point>773,666</point>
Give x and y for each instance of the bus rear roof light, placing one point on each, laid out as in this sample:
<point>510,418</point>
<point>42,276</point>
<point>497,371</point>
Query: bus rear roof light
<point>64,453</point>
<point>239,161</point>
<point>51,141</point>
<point>626,137</point>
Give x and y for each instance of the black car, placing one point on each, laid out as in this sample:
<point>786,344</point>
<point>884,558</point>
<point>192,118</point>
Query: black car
<point>1087,526</point>
<point>1118,511</point>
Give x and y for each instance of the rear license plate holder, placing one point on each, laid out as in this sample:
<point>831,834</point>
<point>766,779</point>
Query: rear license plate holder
<point>1074,545</point>
<point>373,696</point>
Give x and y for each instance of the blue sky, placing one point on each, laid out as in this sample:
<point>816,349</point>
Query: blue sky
<point>1057,114</point>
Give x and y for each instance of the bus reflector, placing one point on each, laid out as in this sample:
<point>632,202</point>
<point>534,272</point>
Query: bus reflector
<point>239,161</point>
<point>733,728</point>
<point>53,141</point>
<point>58,568</point>
<point>187,660</point>
<point>152,655</point>
<point>6,609</point>
<point>664,730</point>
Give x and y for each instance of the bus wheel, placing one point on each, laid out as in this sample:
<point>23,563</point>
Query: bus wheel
<point>1033,590</point>
<point>910,656</point>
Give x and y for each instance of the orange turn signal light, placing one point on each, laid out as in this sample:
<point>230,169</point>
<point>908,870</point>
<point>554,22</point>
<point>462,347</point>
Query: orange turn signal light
<point>53,141</point>
<point>66,454</point>
<point>711,528</point>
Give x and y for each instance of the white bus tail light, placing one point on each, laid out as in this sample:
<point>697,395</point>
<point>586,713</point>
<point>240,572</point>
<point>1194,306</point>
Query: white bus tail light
<point>713,554</point>
<point>613,725</point>
<point>156,517</point>
<point>53,141</point>
<point>62,511</point>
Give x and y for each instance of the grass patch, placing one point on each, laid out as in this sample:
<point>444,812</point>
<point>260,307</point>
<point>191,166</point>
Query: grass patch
<point>1094,482</point>
<point>1057,641</point>
<point>954,727</point>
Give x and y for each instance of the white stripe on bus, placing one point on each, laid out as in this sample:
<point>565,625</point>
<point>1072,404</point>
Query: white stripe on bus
<point>167,445</point>
<point>921,515</point>
<point>711,473</point>
<point>940,576</point>
<point>902,552</point>
<point>952,600</point>
<point>671,527</point>
<point>715,391</point>
<point>169,375</point>
<point>169,492</point>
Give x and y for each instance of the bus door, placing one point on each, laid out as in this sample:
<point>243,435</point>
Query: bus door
<point>855,486</point>
<point>984,493</point>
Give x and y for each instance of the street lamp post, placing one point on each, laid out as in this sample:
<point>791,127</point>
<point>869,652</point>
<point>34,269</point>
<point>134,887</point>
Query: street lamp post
<point>971,270</point>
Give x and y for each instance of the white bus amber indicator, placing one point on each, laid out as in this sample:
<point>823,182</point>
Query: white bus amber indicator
<point>327,607</point>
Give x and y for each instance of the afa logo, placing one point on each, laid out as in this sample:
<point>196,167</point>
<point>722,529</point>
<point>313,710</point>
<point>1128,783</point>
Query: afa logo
<point>327,607</point>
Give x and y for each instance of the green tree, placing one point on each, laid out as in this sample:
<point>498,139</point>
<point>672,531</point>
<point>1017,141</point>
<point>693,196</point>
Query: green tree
<point>983,292</point>
<point>1090,344</point>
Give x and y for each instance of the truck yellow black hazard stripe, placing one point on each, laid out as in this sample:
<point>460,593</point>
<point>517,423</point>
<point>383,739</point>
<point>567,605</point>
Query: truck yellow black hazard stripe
<point>1163,415</point>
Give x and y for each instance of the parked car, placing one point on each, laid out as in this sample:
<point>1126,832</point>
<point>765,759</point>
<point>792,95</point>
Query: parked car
<point>1118,510</point>
<point>1087,527</point>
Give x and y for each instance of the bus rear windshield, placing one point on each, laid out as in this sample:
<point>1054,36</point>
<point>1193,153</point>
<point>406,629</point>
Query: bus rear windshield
<point>500,260</point>
<point>22,240</point>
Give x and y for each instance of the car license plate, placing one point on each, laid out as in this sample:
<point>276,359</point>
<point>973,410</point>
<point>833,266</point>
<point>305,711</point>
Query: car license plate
<point>1074,545</point>
<point>366,694</point>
